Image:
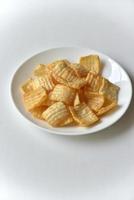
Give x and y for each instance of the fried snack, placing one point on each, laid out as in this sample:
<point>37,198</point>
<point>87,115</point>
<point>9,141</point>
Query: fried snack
<point>63,93</point>
<point>83,115</point>
<point>94,100</point>
<point>94,81</point>
<point>41,70</point>
<point>37,112</point>
<point>63,71</point>
<point>56,114</point>
<point>79,69</point>
<point>27,86</point>
<point>68,121</point>
<point>109,90</point>
<point>34,98</point>
<point>77,99</point>
<point>107,108</point>
<point>91,63</point>
<point>44,81</point>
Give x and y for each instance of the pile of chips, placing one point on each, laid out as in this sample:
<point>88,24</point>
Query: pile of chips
<point>66,94</point>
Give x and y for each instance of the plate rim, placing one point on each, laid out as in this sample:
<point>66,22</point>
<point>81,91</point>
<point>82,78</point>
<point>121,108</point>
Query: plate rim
<point>49,130</point>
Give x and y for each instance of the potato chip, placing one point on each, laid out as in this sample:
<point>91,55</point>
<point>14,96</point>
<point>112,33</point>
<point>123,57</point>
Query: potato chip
<point>56,114</point>
<point>79,69</point>
<point>94,100</point>
<point>91,63</point>
<point>77,99</point>
<point>27,86</point>
<point>77,84</point>
<point>94,81</point>
<point>68,121</point>
<point>37,112</point>
<point>34,98</point>
<point>83,115</point>
<point>64,94</point>
<point>41,70</point>
<point>65,72</point>
<point>44,81</point>
<point>109,90</point>
<point>107,108</point>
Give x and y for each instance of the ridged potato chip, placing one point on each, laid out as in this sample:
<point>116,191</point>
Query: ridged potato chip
<point>94,100</point>
<point>83,115</point>
<point>37,112</point>
<point>68,121</point>
<point>27,86</point>
<point>34,98</point>
<point>107,108</point>
<point>44,81</point>
<point>63,93</point>
<point>109,90</point>
<point>65,72</point>
<point>41,70</point>
<point>77,99</point>
<point>91,63</point>
<point>94,81</point>
<point>79,69</point>
<point>56,114</point>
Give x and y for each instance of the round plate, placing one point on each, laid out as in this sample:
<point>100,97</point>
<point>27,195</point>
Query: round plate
<point>111,70</point>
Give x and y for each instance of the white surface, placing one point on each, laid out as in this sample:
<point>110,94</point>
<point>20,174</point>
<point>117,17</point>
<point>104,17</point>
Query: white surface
<point>35,165</point>
<point>111,70</point>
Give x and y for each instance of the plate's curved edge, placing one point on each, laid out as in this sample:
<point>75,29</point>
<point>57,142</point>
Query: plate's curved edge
<point>64,133</point>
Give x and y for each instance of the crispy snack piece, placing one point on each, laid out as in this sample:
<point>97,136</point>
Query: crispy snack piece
<point>27,86</point>
<point>75,84</point>
<point>107,108</point>
<point>94,100</point>
<point>37,112</point>
<point>64,94</point>
<point>91,63</point>
<point>79,69</point>
<point>68,121</point>
<point>83,115</point>
<point>77,99</point>
<point>94,81</point>
<point>63,71</point>
<point>56,114</point>
<point>44,81</point>
<point>34,98</point>
<point>109,90</point>
<point>40,70</point>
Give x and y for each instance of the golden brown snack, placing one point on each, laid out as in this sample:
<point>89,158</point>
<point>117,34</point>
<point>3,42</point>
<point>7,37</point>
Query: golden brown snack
<point>91,63</point>
<point>34,98</point>
<point>83,115</point>
<point>56,114</point>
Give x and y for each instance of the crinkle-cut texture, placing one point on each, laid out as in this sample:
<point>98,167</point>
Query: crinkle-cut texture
<point>56,114</point>
<point>106,109</point>
<point>27,86</point>
<point>94,81</point>
<point>75,84</point>
<point>68,121</point>
<point>63,93</point>
<point>83,115</point>
<point>79,69</point>
<point>65,72</point>
<point>53,64</point>
<point>34,98</point>
<point>109,90</point>
<point>94,100</point>
<point>37,112</point>
<point>44,81</point>
<point>41,70</point>
<point>91,63</point>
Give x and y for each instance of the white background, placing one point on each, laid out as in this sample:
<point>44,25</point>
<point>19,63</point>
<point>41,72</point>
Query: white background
<point>35,165</point>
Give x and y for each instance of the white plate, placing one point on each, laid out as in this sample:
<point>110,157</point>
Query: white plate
<point>112,70</point>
